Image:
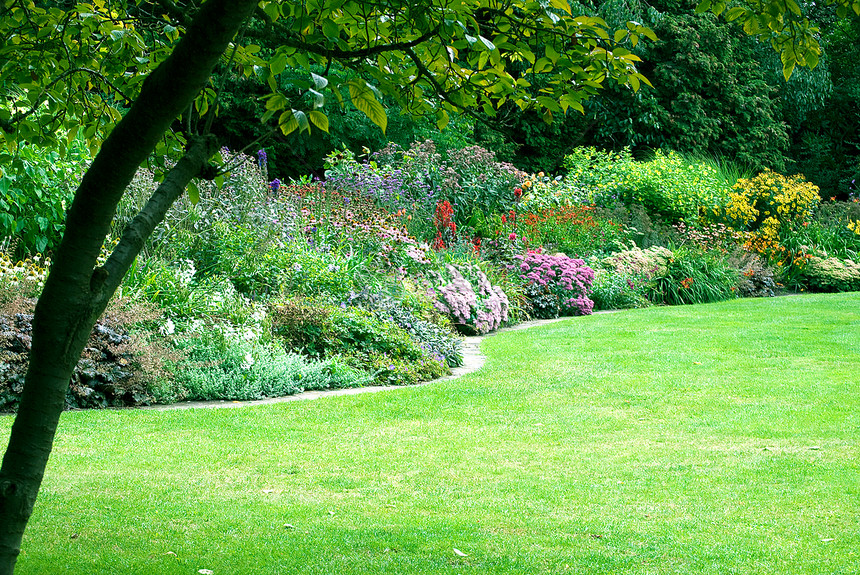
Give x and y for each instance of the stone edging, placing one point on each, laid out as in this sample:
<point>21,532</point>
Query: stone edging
<point>473,360</point>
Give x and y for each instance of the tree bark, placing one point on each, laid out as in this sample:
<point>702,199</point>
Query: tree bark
<point>76,291</point>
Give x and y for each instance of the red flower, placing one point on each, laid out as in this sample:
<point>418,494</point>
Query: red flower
<point>518,192</point>
<point>504,220</point>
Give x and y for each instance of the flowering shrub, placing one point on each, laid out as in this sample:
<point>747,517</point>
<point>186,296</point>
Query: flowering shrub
<point>22,278</point>
<point>767,202</point>
<point>556,284</point>
<point>713,237</point>
<point>640,263</point>
<point>470,310</point>
<point>788,260</point>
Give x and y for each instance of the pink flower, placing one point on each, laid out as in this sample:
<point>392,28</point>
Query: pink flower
<point>512,237</point>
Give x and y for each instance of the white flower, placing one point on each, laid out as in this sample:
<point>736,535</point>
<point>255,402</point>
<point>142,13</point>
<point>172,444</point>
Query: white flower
<point>248,362</point>
<point>168,328</point>
<point>259,315</point>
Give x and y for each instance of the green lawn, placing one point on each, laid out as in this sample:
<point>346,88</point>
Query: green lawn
<point>720,438</point>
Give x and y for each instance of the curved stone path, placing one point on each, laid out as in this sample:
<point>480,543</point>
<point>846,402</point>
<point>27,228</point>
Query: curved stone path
<point>473,360</point>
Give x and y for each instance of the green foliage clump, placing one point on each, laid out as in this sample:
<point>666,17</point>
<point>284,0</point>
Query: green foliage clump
<point>613,290</point>
<point>670,187</point>
<point>596,172</point>
<point>417,316</point>
<point>222,366</point>
<point>831,274</point>
<point>667,185</point>
<point>318,275</point>
<point>359,335</point>
<point>693,276</point>
<point>36,187</point>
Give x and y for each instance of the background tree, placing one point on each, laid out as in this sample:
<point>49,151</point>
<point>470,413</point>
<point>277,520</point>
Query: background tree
<point>141,74</point>
<point>718,92</point>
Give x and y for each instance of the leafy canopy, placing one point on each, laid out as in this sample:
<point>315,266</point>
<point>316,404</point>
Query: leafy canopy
<point>782,24</point>
<point>72,71</point>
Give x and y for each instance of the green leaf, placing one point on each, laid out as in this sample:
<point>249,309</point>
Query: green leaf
<point>319,81</point>
<point>319,119</point>
<point>793,6</point>
<point>193,192</point>
<point>442,119</point>
<point>278,64</point>
<point>703,6</point>
<point>277,102</point>
<point>364,100</point>
<point>288,123</point>
<point>487,44</point>
<point>561,5</point>
<point>734,13</point>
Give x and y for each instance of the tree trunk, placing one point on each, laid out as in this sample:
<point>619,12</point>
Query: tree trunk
<point>76,291</point>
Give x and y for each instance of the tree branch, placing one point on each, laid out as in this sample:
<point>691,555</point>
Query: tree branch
<point>196,158</point>
<point>338,54</point>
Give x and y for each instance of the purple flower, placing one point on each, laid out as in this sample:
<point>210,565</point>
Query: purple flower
<point>274,184</point>
<point>262,158</point>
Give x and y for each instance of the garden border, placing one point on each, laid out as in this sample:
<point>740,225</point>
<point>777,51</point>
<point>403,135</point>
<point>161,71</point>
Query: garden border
<point>473,360</point>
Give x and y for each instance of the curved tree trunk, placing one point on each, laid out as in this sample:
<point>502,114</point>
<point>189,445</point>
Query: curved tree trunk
<point>76,291</point>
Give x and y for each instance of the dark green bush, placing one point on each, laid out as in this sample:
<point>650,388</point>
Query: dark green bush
<point>367,341</point>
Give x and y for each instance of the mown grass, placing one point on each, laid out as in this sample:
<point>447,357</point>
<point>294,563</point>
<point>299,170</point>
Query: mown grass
<point>720,438</point>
